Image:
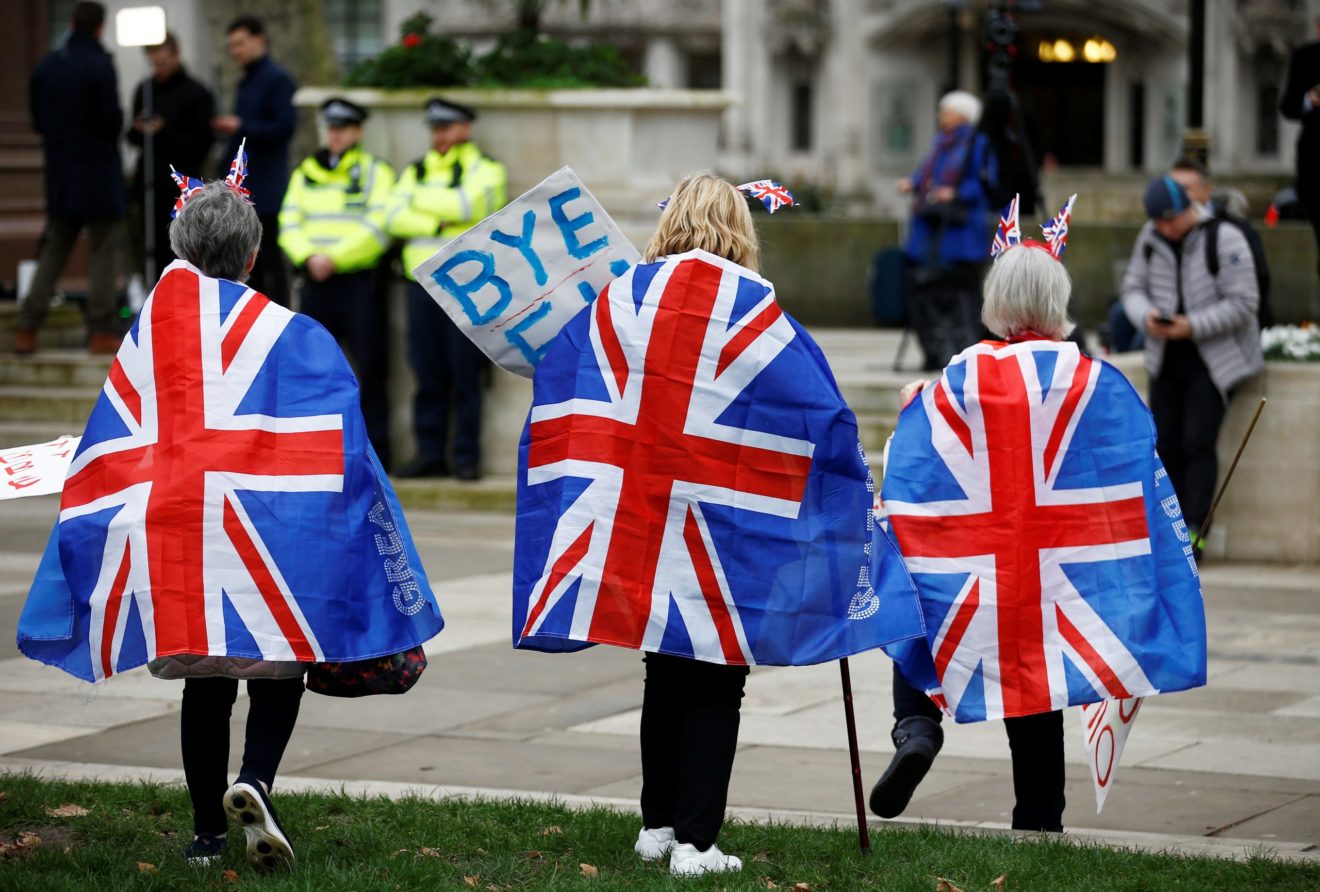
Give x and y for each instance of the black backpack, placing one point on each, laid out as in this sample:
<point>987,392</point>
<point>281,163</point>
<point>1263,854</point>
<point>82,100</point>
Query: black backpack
<point>1264,313</point>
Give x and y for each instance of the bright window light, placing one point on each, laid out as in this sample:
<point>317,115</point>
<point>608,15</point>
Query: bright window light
<point>140,26</point>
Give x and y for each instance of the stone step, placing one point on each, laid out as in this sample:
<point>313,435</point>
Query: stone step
<point>70,405</point>
<point>64,328</point>
<point>53,368</point>
<point>27,433</point>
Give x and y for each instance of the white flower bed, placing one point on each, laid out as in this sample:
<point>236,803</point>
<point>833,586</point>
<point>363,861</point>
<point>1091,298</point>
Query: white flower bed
<point>1291,343</point>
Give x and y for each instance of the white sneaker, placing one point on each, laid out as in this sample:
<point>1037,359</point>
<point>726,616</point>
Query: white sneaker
<point>686,860</point>
<point>654,844</point>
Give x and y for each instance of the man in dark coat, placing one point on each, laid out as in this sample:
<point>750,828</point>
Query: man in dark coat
<point>180,125</point>
<point>1301,102</point>
<point>75,107</point>
<point>264,115</point>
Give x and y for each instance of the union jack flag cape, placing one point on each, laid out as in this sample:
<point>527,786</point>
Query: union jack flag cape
<point>691,483</point>
<point>1053,562</point>
<point>225,500</point>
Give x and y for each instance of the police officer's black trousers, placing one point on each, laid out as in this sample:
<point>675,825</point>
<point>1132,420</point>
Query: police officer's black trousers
<point>204,735</point>
<point>1036,745</point>
<point>689,735</point>
<point>268,276</point>
<point>449,368</point>
<point>352,307</point>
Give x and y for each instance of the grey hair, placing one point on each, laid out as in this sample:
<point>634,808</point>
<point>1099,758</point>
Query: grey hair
<point>963,104</point>
<point>1027,289</point>
<point>217,231</point>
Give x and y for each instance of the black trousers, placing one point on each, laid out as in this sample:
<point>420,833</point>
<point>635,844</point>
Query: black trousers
<point>945,307</point>
<point>1308,192</point>
<point>689,735</point>
<point>1189,411</point>
<point>1036,745</point>
<point>269,275</point>
<point>352,308</point>
<point>57,244</point>
<point>204,734</point>
<point>449,368</point>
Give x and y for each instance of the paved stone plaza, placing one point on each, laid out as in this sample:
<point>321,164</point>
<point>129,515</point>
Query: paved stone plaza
<point>1226,768</point>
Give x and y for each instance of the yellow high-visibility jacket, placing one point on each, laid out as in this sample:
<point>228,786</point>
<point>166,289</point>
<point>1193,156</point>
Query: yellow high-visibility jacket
<point>441,196</point>
<point>339,211</point>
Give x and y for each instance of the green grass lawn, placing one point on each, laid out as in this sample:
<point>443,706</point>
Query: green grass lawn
<point>131,837</point>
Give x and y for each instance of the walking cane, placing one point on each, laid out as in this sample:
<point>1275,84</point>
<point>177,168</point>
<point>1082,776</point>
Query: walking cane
<point>1210,516</point>
<point>863,835</point>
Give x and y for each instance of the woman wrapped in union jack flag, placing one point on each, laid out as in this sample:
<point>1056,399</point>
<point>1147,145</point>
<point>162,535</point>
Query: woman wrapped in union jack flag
<point>1050,553</point>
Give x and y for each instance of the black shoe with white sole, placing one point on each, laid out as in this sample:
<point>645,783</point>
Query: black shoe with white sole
<point>206,848</point>
<point>917,740</point>
<point>267,846</point>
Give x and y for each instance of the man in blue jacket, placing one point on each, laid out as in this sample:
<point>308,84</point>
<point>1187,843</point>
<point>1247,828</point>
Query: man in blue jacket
<point>75,107</point>
<point>264,115</point>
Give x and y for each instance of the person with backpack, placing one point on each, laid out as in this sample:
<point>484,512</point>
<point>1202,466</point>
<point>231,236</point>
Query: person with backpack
<point>1198,308</point>
<point>1193,176</point>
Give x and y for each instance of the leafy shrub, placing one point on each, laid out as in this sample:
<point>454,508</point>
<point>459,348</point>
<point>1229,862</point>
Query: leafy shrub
<point>520,59</point>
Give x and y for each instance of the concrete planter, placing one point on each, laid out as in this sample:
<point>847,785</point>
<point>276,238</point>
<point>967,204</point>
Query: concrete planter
<point>629,145</point>
<point>1271,512</point>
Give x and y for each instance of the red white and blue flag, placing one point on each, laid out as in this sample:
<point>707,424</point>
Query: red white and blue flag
<point>691,483</point>
<point>1056,231</point>
<point>238,169</point>
<point>769,193</point>
<point>188,187</point>
<point>224,500</point>
<point>1009,232</point>
<point>1051,555</point>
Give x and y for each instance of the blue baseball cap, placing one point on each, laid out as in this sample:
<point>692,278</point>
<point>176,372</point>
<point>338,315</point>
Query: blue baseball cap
<point>1165,198</point>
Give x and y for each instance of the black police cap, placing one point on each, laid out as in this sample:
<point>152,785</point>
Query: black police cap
<point>338,111</point>
<point>441,111</point>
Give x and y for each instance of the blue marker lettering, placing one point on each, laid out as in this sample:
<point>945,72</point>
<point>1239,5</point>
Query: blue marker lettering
<point>524,245</point>
<point>463,291</point>
<point>515,334</point>
<point>568,228</point>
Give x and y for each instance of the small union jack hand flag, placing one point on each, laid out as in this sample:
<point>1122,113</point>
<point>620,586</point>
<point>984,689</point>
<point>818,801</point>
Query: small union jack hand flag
<point>1056,231</point>
<point>238,169</point>
<point>188,187</point>
<point>1009,232</point>
<point>769,193</point>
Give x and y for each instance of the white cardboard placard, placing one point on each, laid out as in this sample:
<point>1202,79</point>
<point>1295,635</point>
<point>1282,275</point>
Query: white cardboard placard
<point>1105,727</point>
<point>36,470</point>
<point>511,282</point>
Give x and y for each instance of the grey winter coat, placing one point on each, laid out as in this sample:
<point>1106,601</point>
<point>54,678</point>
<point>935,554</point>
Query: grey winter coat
<point>1220,309</point>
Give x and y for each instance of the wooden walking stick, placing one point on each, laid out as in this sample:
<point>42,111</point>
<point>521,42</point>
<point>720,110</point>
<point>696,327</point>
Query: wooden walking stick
<point>1210,515</point>
<point>863,834</point>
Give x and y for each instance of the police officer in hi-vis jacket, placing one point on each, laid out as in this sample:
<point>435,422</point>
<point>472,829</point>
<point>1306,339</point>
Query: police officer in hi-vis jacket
<point>436,198</point>
<point>332,227</point>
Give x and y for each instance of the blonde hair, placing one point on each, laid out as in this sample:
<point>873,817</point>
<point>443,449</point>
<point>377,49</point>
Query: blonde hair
<point>706,212</point>
<point>1027,289</point>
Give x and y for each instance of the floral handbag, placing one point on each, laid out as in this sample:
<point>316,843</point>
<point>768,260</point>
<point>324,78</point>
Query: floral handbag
<point>392,674</point>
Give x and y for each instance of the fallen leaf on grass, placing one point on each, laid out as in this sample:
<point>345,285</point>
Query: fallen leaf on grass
<point>761,856</point>
<point>4,797</point>
<point>551,831</point>
<point>589,870</point>
<point>145,867</point>
<point>428,852</point>
<point>943,885</point>
<point>472,879</point>
<point>230,876</point>
<point>769,883</point>
<point>533,856</point>
<point>26,842</point>
<point>322,827</point>
<point>66,811</point>
<point>1000,882</point>
<point>801,887</point>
